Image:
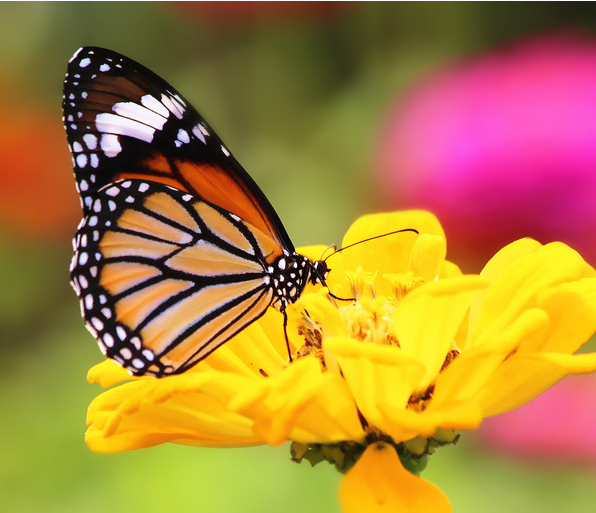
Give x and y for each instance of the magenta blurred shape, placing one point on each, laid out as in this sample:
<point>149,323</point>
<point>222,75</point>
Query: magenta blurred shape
<point>560,424</point>
<point>501,147</point>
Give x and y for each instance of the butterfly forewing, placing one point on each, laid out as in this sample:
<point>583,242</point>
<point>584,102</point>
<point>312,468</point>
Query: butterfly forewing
<point>165,278</point>
<point>125,122</point>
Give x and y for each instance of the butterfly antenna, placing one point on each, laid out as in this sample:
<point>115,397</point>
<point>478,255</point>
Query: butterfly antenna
<point>403,230</point>
<point>331,246</point>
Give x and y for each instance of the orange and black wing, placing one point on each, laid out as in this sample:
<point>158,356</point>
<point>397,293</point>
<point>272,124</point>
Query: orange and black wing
<point>165,278</point>
<point>124,122</point>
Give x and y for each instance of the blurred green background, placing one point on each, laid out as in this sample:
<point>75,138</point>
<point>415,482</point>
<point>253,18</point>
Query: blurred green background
<point>298,92</point>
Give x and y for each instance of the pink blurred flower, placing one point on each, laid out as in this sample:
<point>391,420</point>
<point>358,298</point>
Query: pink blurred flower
<point>501,147</point>
<point>559,424</point>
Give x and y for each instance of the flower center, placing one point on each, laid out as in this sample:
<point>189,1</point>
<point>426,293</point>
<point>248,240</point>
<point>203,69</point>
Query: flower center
<point>369,318</point>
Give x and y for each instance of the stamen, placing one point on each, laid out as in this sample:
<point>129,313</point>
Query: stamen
<point>370,320</point>
<point>362,283</point>
<point>403,283</point>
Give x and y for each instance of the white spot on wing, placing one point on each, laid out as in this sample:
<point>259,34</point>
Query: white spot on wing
<point>183,136</point>
<point>108,340</point>
<point>137,363</point>
<point>85,62</point>
<point>139,113</point>
<point>155,105</point>
<point>81,160</point>
<point>172,106</point>
<point>75,56</point>
<point>109,123</point>
<point>90,140</point>
<point>121,332</point>
<point>110,145</point>
<point>199,134</point>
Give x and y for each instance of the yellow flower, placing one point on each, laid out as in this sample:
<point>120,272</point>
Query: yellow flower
<point>382,378</point>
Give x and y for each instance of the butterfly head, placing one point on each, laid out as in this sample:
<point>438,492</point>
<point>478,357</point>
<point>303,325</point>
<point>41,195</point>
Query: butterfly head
<point>319,272</point>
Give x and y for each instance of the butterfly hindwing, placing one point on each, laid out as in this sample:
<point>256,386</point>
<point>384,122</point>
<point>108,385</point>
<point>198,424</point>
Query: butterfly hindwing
<point>124,122</point>
<point>165,278</point>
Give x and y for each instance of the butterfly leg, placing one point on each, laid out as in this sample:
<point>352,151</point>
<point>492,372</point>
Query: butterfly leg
<point>283,311</point>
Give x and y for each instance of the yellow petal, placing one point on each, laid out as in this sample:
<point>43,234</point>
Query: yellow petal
<point>427,256</point>
<point>376,375</point>
<point>519,276</point>
<point>449,270</point>
<point>315,252</point>
<point>427,319</point>
<point>184,409</point>
<point>523,377</point>
<point>330,415</point>
<point>571,309</point>
<point>403,425</point>
<point>466,377</point>
<point>389,254</point>
<point>304,404</point>
<point>107,373</point>
<point>378,483</point>
<point>507,255</point>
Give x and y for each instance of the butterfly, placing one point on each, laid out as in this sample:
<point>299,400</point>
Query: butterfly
<point>178,249</point>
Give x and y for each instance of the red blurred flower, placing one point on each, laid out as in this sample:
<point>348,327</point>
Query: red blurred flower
<point>37,194</point>
<point>501,147</point>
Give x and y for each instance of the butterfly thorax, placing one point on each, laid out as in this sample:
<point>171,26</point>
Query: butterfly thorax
<point>290,274</point>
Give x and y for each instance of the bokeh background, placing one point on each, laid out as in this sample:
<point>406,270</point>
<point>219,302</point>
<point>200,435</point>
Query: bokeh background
<point>483,113</point>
